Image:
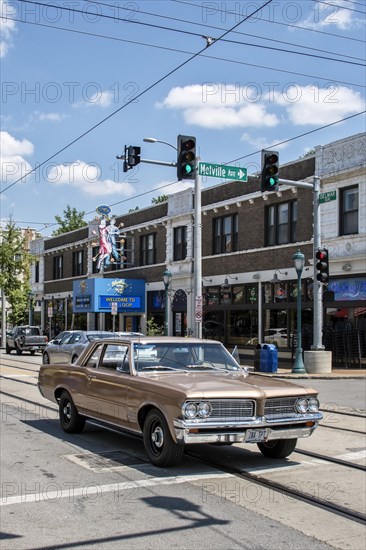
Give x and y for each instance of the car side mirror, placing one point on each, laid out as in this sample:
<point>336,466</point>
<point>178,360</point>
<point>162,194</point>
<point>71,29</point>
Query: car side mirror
<point>57,342</point>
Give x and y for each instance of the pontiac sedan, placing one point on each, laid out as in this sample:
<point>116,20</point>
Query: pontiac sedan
<point>175,391</point>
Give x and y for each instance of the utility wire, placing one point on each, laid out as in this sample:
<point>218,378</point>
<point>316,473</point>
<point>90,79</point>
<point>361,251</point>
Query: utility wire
<point>277,22</point>
<point>300,136</point>
<point>149,45</point>
<point>143,92</point>
<point>340,7</point>
<point>222,29</point>
<point>198,35</point>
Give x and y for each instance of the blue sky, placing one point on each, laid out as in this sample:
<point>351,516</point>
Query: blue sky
<point>238,96</point>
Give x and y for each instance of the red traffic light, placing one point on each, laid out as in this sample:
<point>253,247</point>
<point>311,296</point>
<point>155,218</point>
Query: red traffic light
<point>272,159</point>
<point>322,265</point>
<point>189,144</point>
<point>321,255</point>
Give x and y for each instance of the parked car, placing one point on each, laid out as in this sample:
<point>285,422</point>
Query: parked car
<point>175,391</point>
<point>25,338</point>
<point>70,346</point>
<point>276,336</point>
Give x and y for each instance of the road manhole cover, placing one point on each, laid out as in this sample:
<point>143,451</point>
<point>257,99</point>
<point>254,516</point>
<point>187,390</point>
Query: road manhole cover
<point>105,461</point>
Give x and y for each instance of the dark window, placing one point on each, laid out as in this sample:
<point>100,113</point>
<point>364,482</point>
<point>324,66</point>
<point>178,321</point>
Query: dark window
<point>349,211</point>
<point>77,263</point>
<point>180,243</point>
<point>225,234</point>
<point>281,223</point>
<point>58,271</point>
<point>36,272</point>
<point>148,249</point>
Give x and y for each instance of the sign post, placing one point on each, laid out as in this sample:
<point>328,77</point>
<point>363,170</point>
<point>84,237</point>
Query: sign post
<point>114,308</point>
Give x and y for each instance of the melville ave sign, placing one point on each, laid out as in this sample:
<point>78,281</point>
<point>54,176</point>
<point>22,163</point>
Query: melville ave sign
<point>222,171</point>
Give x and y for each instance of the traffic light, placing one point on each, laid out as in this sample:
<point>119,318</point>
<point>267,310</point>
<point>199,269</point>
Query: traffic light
<point>322,265</point>
<point>270,167</point>
<point>133,156</point>
<point>186,157</point>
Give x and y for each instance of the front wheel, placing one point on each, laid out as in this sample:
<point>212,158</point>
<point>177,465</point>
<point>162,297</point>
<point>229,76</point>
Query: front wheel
<point>18,350</point>
<point>70,420</point>
<point>45,359</point>
<point>279,448</point>
<point>159,445</point>
<point>8,349</point>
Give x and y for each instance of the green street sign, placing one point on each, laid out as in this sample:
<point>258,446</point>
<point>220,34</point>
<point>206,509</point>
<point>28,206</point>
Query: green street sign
<point>222,171</point>
<point>327,197</point>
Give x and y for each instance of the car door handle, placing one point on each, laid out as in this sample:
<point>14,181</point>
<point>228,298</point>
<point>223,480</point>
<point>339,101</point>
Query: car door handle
<point>91,377</point>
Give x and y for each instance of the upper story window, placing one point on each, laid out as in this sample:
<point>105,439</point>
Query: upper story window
<point>180,243</point>
<point>58,267</point>
<point>281,223</point>
<point>36,272</point>
<point>349,211</point>
<point>148,249</point>
<point>225,238</point>
<point>77,263</point>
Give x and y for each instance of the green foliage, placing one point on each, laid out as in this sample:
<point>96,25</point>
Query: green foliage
<point>152,328</point>
<point>134,209</point>
<point>15,264</point>
<point>71,220</point>
<point>161,198</point>
<point>308,153</point>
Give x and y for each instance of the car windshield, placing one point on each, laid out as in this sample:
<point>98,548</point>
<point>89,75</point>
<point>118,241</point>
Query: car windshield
<point>172,357</point>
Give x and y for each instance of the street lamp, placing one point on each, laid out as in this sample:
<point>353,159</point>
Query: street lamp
<point>155,140</point>
<point>299,262</point>
<point>167,277</point>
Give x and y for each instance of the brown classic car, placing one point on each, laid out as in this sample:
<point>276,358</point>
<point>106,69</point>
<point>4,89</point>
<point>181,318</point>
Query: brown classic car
<point>175,391</point>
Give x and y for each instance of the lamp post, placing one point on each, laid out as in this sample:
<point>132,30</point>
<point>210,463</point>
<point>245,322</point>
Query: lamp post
<point>167,277</point>
<point>299,262</point>
<point>155,140</point>
<point>30,319</point>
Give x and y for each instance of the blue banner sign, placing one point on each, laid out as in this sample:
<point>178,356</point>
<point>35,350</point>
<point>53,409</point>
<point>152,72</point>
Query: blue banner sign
<point>348,289</point>
<point>123,302</point>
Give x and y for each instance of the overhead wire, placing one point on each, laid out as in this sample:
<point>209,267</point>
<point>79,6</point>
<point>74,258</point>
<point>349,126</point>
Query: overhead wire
<point>166,48</point>
<point>206,26</point>
<point>125,105</point>
<point>333,35</point>
<point>339,6</point>
<point>198,35</point>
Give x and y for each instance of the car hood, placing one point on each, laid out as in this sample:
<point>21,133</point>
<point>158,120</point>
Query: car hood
<point>227,385</point>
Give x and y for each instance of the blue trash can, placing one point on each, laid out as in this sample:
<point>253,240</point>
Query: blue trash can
<point>268,358</point>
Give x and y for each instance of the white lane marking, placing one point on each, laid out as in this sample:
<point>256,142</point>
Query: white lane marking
<point>353,456</point>
<point>72,492</point>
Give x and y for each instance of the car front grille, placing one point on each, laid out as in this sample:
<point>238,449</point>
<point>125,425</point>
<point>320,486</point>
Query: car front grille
<point>232,409</point>
<point>280,408</point>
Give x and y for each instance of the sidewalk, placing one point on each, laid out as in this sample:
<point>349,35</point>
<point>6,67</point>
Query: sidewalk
<point>334,375</point>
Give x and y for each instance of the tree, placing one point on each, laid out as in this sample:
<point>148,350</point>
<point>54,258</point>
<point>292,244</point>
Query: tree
<point>71,220</point>
<point>15,262</point>
<point>160,198</point>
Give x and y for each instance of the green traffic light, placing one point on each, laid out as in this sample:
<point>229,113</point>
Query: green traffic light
<point>188,169</point>
<point>272,181</point>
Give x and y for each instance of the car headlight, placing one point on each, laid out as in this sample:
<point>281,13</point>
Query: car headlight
<point>204,409</point>
<point>190,410</point>
<point>313,404</point>
<point>302,405</point>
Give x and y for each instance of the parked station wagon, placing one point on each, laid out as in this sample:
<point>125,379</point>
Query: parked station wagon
<point>175,391</point>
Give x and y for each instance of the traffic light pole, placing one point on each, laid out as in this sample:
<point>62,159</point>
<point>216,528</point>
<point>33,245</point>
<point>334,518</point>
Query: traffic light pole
<point>197,252</point>
<point>318,287</point>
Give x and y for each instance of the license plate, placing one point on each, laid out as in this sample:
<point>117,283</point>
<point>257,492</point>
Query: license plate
<point>257,435</point>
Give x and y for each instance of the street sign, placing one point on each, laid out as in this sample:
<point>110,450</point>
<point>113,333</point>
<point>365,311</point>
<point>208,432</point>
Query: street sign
<point>114,307</point>
<point>198,312</point>
<point>328,196</point>
<point>222,171</point>
<point>50,311</point>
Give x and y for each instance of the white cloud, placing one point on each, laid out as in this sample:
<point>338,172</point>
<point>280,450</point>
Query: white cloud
<point>13,163</point>
<point>7,27</point>
<point>260,142</point>
<point>335,14</point>
<point>87,178</point>
<point>220,105</point>
<point>312,105</point>
<point>52,117</point>
<point>97,99</point>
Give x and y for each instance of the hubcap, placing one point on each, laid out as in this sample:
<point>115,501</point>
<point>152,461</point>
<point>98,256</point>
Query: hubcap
<point>157,437</point>
<point>67,411</point>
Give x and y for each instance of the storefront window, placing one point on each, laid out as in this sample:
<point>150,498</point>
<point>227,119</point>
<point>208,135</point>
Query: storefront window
<point>280,292</point>
<point>225,295</point>
<point>212,296</point>
<point>243,328</point>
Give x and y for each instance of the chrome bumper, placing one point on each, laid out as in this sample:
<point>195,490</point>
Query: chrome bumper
<point>209,432</point>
